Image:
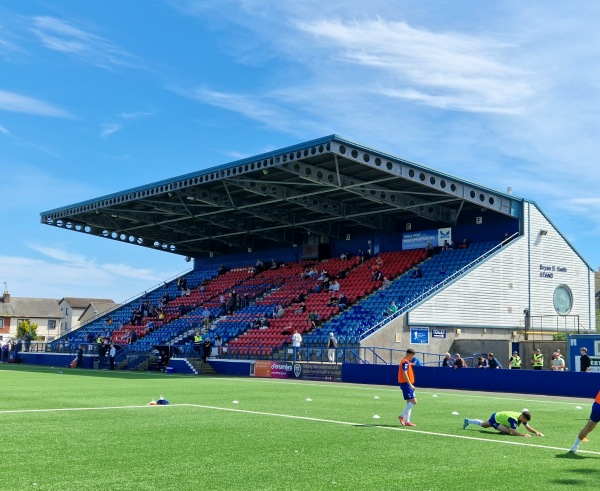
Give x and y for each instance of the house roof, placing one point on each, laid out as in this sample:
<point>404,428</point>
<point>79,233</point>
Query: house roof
<point>27,308</point>
<point>83,303</point>
<point>98,308</point>
<point>330,186</point>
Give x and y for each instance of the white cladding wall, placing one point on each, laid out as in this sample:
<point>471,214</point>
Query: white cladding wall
<point>554,263</point>
<point>496,293</point>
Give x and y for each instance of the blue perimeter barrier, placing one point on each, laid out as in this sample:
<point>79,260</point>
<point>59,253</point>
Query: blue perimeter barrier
<point>55,359</point>
<point>566,384</point>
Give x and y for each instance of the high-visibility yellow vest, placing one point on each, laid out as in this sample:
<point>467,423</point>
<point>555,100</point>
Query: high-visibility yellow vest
<point>538,360</point>
<point>197,339</point>
<point>516,361</point>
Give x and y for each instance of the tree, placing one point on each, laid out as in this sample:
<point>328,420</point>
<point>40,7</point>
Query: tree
<point>24,327</point>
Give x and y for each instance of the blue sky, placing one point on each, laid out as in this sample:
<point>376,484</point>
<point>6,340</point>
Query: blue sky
<point>97,97</point>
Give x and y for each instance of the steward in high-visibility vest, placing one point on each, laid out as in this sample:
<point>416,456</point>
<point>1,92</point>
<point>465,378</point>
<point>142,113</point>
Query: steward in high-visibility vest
<point>537,360</point>
<point>515,361</point>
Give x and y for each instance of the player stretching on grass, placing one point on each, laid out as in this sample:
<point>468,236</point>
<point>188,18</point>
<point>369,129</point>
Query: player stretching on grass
<point>506,422</point>
<point>590,425</point>
<point>406,380</point>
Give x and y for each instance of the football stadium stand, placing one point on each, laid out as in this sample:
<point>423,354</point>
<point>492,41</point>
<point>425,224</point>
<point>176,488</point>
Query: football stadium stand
<point>491,266</point>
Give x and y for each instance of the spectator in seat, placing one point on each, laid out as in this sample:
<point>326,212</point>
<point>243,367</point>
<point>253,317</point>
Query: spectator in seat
<point>334,287</point>
<point>377,275</point>
<point>416,273</point>
<point>342,301</point>
<point>482,362</point>
<point>386,283</point>
<point>301,308</point>
<point>392,309</point>
<point>333,301</point>
<point>257,322</point>
<point>464,244</point>
<point>315,319</point>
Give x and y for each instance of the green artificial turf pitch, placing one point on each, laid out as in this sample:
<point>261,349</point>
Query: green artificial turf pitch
<point>77,429</point>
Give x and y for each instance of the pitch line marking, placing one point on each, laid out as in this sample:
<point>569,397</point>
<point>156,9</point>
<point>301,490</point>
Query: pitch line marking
<point>291,416</point>
<point>48,410</point>
<point>393,428</point>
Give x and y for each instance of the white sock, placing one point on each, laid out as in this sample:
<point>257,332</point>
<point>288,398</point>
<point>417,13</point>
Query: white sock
<point>407,419</point>
<point>407,409</point>
<point>474,422</point>
<point>577,442</point>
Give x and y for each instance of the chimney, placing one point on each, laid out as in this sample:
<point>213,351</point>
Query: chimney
<point>6,297</point>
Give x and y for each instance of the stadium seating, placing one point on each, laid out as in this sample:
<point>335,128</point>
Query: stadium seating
<point>286,286</point>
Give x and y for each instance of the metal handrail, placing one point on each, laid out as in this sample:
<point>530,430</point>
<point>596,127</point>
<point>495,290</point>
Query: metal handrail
<point>125,302</point>
<point>413,303</point>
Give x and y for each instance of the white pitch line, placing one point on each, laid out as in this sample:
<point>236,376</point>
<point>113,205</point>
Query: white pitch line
<point>393,428</point>
<point>292,416</point>
<point>48,410</point>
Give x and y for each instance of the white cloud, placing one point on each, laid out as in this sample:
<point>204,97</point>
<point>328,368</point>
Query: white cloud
<point>449,70</point>
<point>11,101</point>
<point>62,36</point>
<point>4,131</point>
<point>72,275</point>
<point>266,108</point>
<point>109,129</point>
<point>80,261</point>
<point>138,114</point>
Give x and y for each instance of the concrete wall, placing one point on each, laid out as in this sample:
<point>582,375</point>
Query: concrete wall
<point>463,341</point>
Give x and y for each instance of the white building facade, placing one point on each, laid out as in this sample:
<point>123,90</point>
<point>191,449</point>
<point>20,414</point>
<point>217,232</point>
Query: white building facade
<point>538,278</point>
